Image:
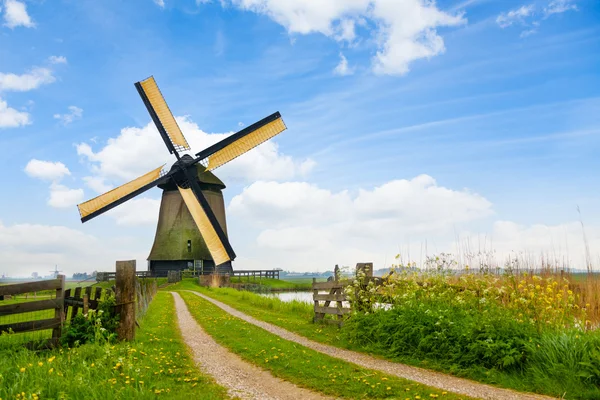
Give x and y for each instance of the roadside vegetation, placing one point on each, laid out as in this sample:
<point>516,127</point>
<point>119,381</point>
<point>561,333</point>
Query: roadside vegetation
<point>301,365</point>
<point>155,364</point>
<point>529,330</point>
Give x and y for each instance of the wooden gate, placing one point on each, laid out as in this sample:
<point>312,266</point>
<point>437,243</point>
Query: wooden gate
<point>329,292</point>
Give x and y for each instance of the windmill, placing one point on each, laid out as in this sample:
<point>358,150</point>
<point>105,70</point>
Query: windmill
<point>186,186</point>
<point>55,271</point>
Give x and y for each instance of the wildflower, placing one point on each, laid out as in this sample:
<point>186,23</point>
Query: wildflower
<point>51,359</point>
<point>40,363</point>
<point>51,370</point>
<point>22,369</point>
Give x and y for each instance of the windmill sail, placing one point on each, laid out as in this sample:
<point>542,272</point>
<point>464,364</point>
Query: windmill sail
<point>213,236</point>
<point>121,194</point>
<point>241,142</point>
<point>161,115</point>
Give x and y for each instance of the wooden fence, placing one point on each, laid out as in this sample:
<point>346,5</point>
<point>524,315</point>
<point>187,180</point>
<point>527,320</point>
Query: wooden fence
<point>83,300</point>
<point>57,304</point>
<point>334,293</point>
<point>264,273</point>
<point>111,276</point>
<point>130,295</point>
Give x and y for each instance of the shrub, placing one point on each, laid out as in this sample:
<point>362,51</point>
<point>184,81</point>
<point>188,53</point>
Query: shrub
<point>97,326</point>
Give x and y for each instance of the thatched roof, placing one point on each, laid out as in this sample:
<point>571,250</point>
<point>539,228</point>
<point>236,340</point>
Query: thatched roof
<point>207,180</point>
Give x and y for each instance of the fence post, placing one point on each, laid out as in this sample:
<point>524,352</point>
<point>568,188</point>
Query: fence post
<point>125,296</point>
<point>59,312</point>
<point>85,304</point>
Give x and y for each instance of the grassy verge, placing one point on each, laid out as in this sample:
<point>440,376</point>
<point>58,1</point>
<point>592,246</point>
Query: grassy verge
<point>300,365</point>
<point>157,363</point>
<point>294,316</point>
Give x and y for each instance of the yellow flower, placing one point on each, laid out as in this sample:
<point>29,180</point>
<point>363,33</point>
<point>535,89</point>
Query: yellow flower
<point>51,359</point>
<point>40,363</point>
<point>51,370</point>
<point>22,369</point>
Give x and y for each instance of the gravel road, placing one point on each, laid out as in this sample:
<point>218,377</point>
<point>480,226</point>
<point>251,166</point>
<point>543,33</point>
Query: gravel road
<point>242,380</point>
<point>430,378</point>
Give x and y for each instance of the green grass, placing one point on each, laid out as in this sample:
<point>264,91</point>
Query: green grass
<point>275,284</point>
<point>156,364</point>
<point>295,316</point>
<point>298,364</point>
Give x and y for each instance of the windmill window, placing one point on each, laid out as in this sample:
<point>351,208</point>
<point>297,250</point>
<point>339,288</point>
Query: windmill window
<point>189,245</point>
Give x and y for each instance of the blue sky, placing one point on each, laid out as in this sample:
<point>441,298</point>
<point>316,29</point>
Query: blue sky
<point>494,105</point>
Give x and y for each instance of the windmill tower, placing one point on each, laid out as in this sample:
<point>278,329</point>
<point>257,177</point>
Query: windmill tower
<point>191,225</point>
<point>178,243</point>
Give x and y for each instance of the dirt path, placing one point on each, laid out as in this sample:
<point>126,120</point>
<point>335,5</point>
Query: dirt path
<point>435,379</point>
<point>242,379</point>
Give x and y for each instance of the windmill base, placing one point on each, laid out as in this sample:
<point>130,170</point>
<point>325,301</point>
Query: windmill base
<point>161,268</point>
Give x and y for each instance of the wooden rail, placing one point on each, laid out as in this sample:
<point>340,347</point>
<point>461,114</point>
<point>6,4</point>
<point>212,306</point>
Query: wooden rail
<point>89,300</point>
<point>111,276</point>
<point>260,273</point>
<point>57,304</point>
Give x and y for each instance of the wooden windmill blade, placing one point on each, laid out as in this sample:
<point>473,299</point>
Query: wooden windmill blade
<point>100,204</point>
<point>162,116</point>
<point>204,217</point>
<point>241,142</point>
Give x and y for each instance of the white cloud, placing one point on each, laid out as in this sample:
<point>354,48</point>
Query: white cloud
<point>74,114</point>
<point>28,248</point>
<point>33,79</point>
<point>524,15</point>
<point>15,14</point>
<point>138,150</point>
<point>518,15</point>
<point>409,33</point>
<point>405,30</point>
<point>97,184</point>
<point>60,195</point>
<point>300,226</point>
<point>39,239</point>
<point>11,118</point>
<point>342,68</point>
<point>135,212</point>
<point>57,59</point>
<point>64,197</point>
<point>160,3</point>
<point>528,32</point>
<point>418,205</point>
<point>46,170</point>
<point>559,6</point>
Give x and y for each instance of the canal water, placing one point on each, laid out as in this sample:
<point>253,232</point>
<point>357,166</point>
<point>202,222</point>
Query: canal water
<point>305,297</point>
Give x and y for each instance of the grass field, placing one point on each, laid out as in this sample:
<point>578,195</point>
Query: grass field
<point>300,365</point>
<point>156,364</point>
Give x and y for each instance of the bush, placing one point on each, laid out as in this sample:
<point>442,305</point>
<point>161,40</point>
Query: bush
<point>97,326</point>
